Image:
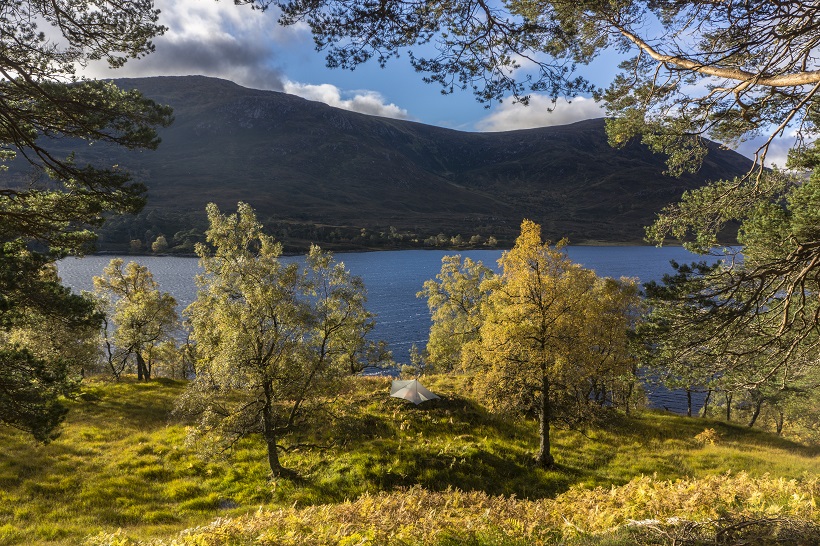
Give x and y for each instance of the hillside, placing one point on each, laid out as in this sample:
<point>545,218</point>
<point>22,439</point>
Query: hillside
<point>383,471</point>
<point>301,163</point>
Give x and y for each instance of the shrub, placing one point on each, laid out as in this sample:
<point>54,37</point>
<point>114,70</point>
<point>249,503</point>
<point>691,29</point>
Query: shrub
<point>708,436</point>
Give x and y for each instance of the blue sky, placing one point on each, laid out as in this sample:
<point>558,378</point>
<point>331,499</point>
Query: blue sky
<point>248,47</point>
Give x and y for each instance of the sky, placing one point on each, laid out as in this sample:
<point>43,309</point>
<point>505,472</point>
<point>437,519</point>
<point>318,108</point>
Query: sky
<point>219,39</point>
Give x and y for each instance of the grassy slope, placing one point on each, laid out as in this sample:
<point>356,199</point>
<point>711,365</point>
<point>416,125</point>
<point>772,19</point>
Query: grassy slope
<point>120,464</point>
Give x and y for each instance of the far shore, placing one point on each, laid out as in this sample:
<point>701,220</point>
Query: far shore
<point>348,250</point>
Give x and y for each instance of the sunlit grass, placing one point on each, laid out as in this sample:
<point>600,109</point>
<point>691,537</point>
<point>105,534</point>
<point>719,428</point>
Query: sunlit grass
<point>644,511</point>
<point>122,463</point>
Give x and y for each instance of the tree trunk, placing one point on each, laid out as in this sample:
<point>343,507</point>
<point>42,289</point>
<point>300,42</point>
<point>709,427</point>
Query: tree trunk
<point>599,393</point>
<point>628,398</point>
<point>273,456</point>
<point>728,397</point>
<point>109,351</point>
<point>688,402</point>
<point>602,394</point>
<point>544,458</point>
<point>755,413</point>
<point>706,403</point>
<point>143,372</point>
<point>779,422</point>
<point>269,433</point>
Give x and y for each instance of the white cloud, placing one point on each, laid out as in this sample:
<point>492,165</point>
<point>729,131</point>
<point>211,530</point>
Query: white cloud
<point>509,116</point>
<point>214,39</point>
<point>362,101</point>
<point>777,153</point>
<point>222,40</point>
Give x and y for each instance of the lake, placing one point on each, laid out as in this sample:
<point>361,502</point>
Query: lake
<point>393,278</point>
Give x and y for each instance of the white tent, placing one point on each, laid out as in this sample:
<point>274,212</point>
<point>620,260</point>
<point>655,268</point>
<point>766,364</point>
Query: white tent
<point>411,390</point>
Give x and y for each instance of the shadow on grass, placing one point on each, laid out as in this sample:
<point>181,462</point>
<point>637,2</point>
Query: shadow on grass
<point>453,442</point>
<point>662,426</point>
<point>145,405</point>
<point>385,444</point>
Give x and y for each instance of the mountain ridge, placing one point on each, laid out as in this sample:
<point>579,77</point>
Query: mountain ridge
<point>318,173</point>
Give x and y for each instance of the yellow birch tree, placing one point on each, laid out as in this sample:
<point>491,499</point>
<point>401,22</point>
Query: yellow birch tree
<point>455,301</point>
<point>541,328</point>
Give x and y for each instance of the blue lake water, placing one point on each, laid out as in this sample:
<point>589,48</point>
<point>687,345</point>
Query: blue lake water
<point>393,278</point>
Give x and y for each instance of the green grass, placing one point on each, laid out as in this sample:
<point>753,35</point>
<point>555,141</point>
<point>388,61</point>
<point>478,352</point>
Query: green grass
<point>121,462</point>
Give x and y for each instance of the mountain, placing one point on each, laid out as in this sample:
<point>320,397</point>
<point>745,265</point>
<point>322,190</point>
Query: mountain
<point>314,172</point>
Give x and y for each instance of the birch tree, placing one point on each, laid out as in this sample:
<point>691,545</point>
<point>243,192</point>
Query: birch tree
<point>270,335</point>
<point>455,300</point>
<point>541,336</point>
<point>142,316</point>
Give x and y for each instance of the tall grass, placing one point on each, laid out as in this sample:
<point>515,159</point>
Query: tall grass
<point>420,516</point>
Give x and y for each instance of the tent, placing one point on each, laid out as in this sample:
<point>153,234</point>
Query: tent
<point>410,390</point>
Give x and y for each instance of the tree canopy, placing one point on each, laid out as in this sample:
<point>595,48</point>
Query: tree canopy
<point>52,212</point>
<point>43,101</point>
<point>551,334</point>
<point>142,316</point>
<point>752,321</point>
<point>270,336</point>
<point>455,302</point>
<point>43,327</point>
